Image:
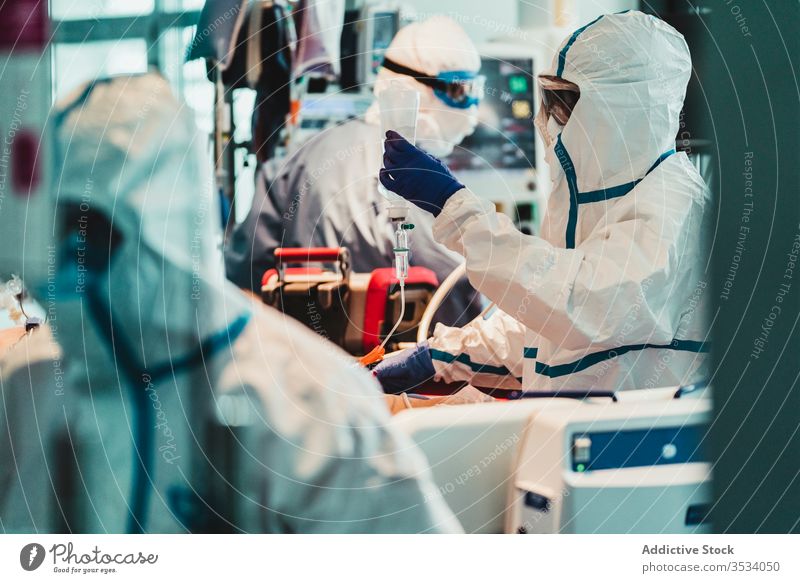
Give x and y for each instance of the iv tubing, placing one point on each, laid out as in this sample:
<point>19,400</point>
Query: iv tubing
<point>402,312</point>
<point>437,299</point>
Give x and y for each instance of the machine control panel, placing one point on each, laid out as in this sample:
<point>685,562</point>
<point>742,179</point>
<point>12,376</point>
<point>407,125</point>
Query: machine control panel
<point>582,449</point>
<point>603,450</point>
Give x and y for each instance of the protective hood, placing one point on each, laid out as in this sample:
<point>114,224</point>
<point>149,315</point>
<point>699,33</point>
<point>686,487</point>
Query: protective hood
<point>632,70</point>
<point>131,153</point>
<point>436,45</point>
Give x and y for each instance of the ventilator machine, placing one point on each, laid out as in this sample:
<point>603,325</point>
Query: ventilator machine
<point>635,462</point>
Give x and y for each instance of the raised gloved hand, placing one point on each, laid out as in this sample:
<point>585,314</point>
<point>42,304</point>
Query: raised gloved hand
<point>405,371</point>
<point>416,175</point>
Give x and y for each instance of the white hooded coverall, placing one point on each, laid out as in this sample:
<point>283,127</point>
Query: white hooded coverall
<point>612,295</point>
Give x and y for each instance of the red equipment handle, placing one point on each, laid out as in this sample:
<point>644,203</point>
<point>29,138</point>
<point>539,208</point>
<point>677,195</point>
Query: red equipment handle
<point>270,273</point>
<point>309,254</point>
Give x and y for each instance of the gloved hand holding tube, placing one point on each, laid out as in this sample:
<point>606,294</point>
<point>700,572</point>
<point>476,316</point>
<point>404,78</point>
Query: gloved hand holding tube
<point>416,175</point>
<point>406,371</point>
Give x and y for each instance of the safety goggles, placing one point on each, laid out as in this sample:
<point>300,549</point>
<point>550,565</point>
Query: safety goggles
<point>558,97</point>
<point>459,89</point>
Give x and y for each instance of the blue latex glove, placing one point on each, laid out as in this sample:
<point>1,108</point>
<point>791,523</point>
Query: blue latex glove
<point>416,175</point>
<point>405,371</point>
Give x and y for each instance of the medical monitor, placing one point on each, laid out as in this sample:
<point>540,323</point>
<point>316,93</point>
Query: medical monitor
<point>502,161</point>
<point>505,136</point>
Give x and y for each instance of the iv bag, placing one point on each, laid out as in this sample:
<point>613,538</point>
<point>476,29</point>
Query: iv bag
<point>399,107</point>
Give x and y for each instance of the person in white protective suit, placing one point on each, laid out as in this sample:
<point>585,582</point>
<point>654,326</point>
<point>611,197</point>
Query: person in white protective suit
<point>612,295</point>
<point>184,406</point>
<point>325,192</point>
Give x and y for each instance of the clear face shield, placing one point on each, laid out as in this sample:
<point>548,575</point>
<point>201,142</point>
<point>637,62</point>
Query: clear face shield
<point>559,97</point>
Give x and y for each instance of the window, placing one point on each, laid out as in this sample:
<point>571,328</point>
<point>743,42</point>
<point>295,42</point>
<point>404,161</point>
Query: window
<point>82,9</point>
<point>99,38</point>
<point>73,64</point>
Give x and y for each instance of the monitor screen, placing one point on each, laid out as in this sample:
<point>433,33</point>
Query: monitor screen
<point>505,136</point>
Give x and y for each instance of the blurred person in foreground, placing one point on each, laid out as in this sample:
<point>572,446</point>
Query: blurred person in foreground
<point>179,405</point>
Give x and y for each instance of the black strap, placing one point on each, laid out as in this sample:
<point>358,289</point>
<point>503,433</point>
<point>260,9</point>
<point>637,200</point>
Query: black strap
<point>579,394</point>
<point>433,82</point>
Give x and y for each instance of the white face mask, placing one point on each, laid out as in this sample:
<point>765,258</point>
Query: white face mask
<point>441,129</point>
<point>547,127</point>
